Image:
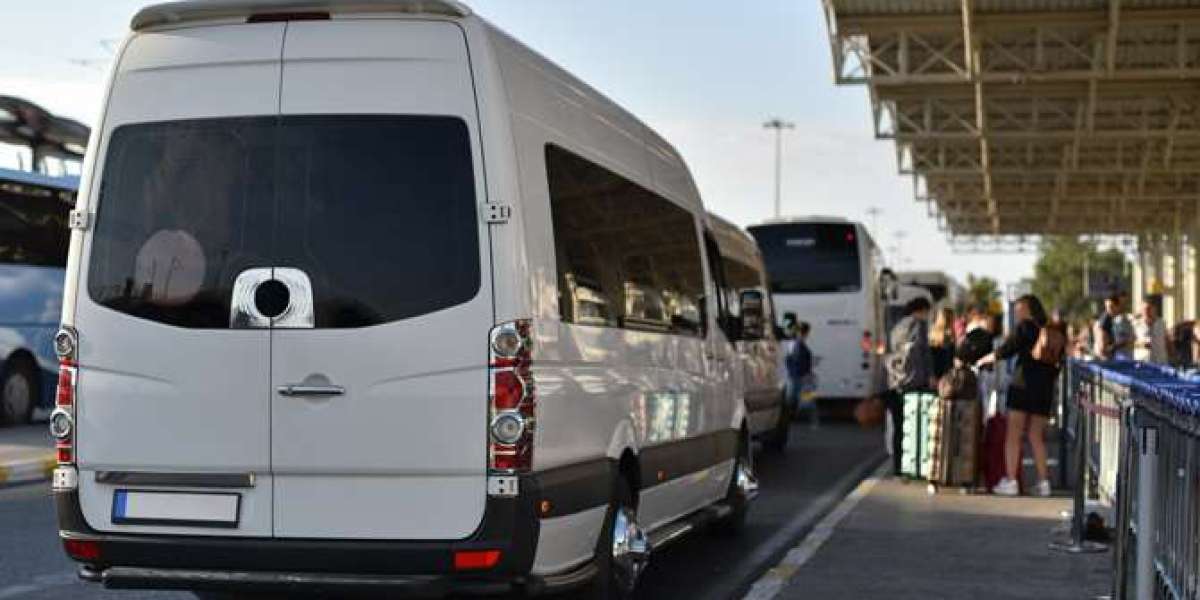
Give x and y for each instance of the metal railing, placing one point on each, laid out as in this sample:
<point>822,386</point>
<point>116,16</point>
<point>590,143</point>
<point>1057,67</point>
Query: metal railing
<point>1135,433</point>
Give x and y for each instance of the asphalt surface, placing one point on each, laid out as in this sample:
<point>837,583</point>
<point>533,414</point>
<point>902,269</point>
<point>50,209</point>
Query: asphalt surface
<point>797,488</point>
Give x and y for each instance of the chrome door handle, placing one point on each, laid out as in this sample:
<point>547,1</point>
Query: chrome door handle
<point>311,390</point>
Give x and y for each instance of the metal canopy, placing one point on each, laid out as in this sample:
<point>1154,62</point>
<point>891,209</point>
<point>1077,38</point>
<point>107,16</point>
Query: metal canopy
<point>1029,117</point>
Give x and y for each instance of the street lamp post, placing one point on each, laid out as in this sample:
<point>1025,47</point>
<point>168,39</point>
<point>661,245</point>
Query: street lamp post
<point>778,125</point>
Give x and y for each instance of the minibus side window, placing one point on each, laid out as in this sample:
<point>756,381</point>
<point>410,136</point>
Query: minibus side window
<point>626,256</point>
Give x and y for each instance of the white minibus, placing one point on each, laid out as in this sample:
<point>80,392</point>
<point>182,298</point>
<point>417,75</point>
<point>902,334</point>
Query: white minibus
<point>368,296</point>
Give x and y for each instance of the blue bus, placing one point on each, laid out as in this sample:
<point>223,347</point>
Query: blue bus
<point>35,208</point>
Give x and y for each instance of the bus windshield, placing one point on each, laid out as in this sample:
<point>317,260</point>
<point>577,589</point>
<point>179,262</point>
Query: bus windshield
<point>33,223</point>
<point>811,258</point>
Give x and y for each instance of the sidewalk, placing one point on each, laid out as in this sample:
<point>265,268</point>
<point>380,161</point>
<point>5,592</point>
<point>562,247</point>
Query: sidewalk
<point>895,541</point>
<point>26,454</point>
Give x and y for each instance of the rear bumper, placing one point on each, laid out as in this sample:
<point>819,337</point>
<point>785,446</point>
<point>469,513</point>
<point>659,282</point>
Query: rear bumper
<point>416,568</point>
<point>289,583</point>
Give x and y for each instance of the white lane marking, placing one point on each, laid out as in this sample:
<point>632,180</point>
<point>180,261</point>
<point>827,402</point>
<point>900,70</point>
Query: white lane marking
<point>39,583</point>
<point>769,585</point>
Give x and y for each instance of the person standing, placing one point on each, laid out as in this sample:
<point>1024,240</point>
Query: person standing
<point>1030,391</point>
<point>941,342</point>
<point>1151,336</point>
<point>801,380</point>
<point>1114,333</point>
<point>909,368</point>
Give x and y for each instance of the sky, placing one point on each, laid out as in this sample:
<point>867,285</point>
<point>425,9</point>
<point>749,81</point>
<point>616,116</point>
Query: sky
<point>705,74</point>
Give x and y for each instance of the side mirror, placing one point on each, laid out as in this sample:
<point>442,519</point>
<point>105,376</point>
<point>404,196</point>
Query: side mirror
<point>753,321</point>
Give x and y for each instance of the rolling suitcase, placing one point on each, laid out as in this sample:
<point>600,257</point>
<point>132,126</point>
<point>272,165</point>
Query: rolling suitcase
<point>920,413</point>
<point>956,444</point>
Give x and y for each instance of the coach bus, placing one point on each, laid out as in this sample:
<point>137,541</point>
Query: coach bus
<point>826,271</point>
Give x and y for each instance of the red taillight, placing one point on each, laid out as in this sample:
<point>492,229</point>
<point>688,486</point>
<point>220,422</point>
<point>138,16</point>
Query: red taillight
<point>866,342</point>
<point>62,420</point>
<point>66,384</point>
<point>476,560</point>
<point>513,399</point>
<point>82,550</point>
<point>508,390</point>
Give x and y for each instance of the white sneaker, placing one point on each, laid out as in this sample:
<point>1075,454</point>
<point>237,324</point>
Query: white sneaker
<point>1042,489</point>
<point>1006,487</point>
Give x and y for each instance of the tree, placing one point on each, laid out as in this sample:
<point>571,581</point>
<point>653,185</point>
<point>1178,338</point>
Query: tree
<point>1058,274</point>
<point>982,291</point>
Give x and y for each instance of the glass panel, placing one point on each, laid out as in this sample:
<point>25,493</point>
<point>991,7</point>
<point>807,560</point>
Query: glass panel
<point>378,211</point>
<point>33,225</point>
<point>810,257</point>
<point>381,213</point>
<point>184,207</point>
<point>626,257</point>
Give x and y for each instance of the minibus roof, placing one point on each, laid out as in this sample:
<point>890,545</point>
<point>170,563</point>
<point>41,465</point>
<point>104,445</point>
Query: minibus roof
<point>172,13</point>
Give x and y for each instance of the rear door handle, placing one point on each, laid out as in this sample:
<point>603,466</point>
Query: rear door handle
<point>311,390</point>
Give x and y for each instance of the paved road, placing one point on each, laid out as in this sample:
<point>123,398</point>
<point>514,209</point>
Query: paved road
<point>795,486</point>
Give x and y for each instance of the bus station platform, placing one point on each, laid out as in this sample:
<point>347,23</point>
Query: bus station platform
<point>892,539</point>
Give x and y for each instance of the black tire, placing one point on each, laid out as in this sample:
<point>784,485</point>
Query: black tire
<point>607,584</point>
<point>735,522</point>
<point>777,440</point>
<point>18,392</point>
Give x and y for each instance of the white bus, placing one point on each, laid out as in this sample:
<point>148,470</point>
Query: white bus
<point>825,270</point>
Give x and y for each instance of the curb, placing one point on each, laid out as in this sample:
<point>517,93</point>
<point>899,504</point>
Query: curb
<point>773,582</point>
<point>28,470</point>
<point>769,553</point>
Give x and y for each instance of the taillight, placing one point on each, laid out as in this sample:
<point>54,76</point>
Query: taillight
<point>62,420</point>
<point>476,560</point>
<point>513,399</point>
<point>866,344</point>
<point>82,550</point>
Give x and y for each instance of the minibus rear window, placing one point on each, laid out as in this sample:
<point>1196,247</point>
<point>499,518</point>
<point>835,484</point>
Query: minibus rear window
<point>378,211</point>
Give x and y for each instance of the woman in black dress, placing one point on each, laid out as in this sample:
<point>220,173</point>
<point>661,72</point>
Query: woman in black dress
<point>941,342</point>
<point>1030,396</point>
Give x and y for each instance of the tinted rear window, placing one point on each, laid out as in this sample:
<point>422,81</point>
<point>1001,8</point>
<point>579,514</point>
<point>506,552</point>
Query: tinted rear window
<point>378,211</point>
<point>33,224</point>
<point>810,257</point>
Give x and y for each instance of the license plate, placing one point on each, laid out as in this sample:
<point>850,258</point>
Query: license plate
<point>176,508</point>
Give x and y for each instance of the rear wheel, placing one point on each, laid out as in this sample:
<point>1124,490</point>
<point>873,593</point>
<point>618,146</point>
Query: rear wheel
<point>17,392</point>
<point>623,549</point>
<point>743,487</point>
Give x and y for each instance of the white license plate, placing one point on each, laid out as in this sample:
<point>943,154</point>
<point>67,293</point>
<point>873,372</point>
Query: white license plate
<point>175,508</point>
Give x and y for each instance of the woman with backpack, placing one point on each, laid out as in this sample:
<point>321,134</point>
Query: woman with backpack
<point>1039,347</point>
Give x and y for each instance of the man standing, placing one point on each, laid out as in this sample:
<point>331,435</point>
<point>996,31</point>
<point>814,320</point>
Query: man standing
<point>1151,334</point>
<point>1114,336</point>
<point>909,368</point>
<point>801,380</point>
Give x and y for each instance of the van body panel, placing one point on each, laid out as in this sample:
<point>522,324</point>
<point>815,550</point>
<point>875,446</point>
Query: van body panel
<point>154,397</point>
<point>410,429</point>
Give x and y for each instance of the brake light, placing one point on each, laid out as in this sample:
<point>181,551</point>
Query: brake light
<point>282,17</point>
<point>62,420</point>
<point>866,344</point>
<point>512,398</point>
<point>476,560</point>
<point>82,550</point>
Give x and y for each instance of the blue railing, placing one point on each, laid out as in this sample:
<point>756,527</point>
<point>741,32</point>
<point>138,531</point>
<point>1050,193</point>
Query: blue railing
<point>1137,440</point>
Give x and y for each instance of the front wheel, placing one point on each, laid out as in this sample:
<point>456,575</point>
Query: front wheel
<point>777,440</point>
<point>623,550</point>
<point>17,393</point>
<point>743,487</point>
